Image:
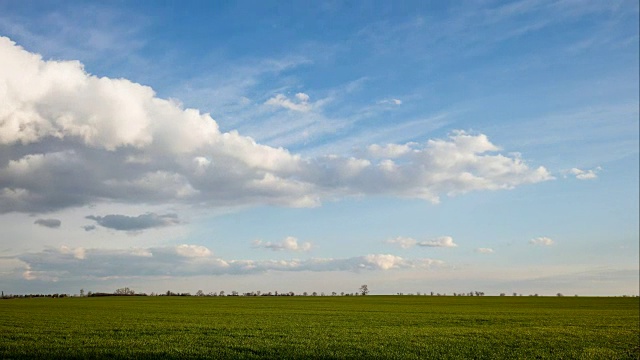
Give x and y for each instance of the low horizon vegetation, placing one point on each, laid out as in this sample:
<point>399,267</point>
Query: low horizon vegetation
<point>376,327</point>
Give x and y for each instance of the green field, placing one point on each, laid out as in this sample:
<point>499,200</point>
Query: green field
<point>400,327</point>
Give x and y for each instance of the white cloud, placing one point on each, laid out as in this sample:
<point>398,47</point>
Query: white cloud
<point>542,241</point>
<point>78,253</point>
<point>403,242</point>
<point>289,243</point>
<point>408,242</point>
<point>484,250</point>
<point>585,174</point>
<point>301,104</point>
<point>71,139</point>
<point>391,101</point>
<point>193,251</point>
<point>186,260</point>
<point>389,150</point>
<point>443,241</point>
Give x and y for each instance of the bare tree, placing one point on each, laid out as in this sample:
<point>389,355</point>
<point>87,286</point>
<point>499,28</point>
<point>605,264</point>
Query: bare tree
<point>200,293</point>
<point>364,290</point>
<point>124,291</point>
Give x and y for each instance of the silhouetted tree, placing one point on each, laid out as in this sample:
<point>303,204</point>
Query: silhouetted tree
<point>364,290</point>
<point>124,291</point>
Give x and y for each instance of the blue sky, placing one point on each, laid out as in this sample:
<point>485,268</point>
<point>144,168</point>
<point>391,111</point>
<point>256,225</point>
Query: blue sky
<point>414,147</point>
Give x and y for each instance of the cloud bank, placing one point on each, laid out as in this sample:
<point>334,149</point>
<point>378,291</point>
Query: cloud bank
<point>186,260</point>
<point>69,139</point>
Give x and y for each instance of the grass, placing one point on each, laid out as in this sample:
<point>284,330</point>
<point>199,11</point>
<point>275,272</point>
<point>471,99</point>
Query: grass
<point>374,327</point>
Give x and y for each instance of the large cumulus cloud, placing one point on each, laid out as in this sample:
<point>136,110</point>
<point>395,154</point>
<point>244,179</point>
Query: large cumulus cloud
<point>68,138</point>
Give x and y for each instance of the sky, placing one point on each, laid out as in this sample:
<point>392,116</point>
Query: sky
<point>422,146</point>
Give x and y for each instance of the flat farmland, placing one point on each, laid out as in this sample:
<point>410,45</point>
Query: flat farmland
<point>370,327</point>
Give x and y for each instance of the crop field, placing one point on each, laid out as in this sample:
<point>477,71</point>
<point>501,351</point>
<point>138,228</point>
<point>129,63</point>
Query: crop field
<point>370,327</point>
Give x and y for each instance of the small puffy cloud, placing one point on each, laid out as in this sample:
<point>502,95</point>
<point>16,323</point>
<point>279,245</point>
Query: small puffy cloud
<point>541,241</point>
<point>135,223</point>
<point>187,260</point>
<point>50,223</point>
<point>443,241</point>
<point>193,251</point>
<point>484,250</point>
<point>585,174</point>
<point>78,253</point>
<point>408,242</point>
<point>391,101</point>
<point>403,242</point>
<point>290,243</point>
<point>301,102</point>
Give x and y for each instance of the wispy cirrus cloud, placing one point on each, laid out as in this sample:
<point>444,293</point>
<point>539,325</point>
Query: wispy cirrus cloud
<point>484,250</point>
<point>301,102</point>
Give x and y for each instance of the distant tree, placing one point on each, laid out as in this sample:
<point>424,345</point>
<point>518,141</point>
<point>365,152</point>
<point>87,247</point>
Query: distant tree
<point>200,293</point>
<point>314,294</point>
<point>559,294</point>
<point>515,294</point>
<point>305,293</point>
<point>221,292</point>
<point>81,292</point>
<point>342,293</point>
<point>333,293</point>
<point>364,290</point>
<point>124,291</point>
<point>503,294</point>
